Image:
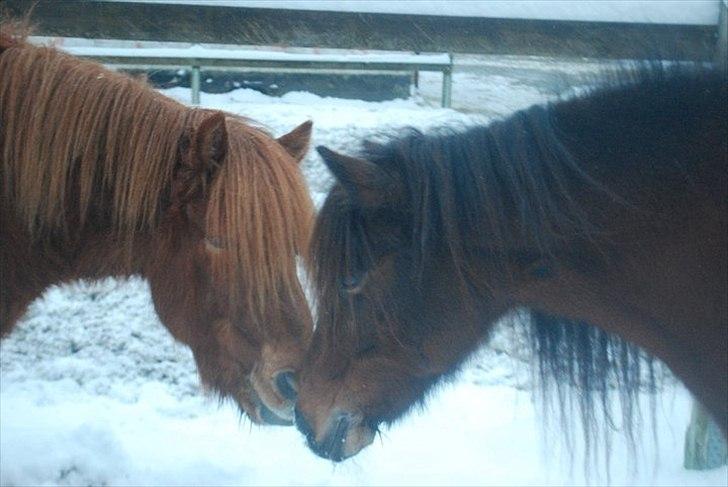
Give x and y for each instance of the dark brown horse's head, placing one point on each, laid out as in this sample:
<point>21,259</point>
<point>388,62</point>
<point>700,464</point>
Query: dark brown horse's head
<point>224,272</point>
<point>385,311</point>
<point>418,250</point>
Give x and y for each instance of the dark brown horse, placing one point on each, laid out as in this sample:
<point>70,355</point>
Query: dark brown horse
<point>608,208</point>
<point>102,176</point>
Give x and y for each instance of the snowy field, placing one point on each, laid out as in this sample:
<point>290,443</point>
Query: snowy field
<point>93,390</point>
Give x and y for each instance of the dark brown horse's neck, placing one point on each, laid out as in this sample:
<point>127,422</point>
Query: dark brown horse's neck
<point>701,368</point>
<point>665,293</point>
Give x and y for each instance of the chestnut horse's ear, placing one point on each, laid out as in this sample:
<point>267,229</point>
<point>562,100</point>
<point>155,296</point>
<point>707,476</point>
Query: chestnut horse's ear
<point>365,182</point>
<point>204,150</point>
<point>296,141</point>
<point>211,142</point>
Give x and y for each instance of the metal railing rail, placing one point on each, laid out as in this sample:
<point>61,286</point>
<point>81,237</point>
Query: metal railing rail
<point>199,57</point>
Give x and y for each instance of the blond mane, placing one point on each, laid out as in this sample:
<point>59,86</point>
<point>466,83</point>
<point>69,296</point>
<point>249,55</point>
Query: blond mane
<point>83,147</point>
<point>79,140</point>
<point>262,208</point>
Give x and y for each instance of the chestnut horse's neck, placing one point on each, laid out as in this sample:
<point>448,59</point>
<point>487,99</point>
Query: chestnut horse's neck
<point>87,158</point>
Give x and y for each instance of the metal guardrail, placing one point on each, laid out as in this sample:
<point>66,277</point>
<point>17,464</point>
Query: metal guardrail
<point>198,57</point>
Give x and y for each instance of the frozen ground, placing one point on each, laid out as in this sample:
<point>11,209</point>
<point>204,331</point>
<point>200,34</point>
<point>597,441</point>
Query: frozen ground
<point>93,390</point>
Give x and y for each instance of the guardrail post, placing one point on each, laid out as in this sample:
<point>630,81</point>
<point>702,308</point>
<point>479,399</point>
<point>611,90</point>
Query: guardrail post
<point>705,447</point>
<point>721,48</point>
<point>195,85</point>
<point>447,87</point>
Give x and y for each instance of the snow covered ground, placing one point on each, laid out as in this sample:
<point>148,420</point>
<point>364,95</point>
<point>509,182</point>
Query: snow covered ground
<point>93,391</point>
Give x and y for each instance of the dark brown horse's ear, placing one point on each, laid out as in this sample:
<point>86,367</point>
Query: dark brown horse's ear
<point>366,182</point>
<point>211,141</point>
<point>296,141</point>
<point>371,146</point>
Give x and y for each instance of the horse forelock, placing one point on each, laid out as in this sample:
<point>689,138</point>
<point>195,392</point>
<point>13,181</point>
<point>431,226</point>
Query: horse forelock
<point>261,209</point>
<point>330,258</point>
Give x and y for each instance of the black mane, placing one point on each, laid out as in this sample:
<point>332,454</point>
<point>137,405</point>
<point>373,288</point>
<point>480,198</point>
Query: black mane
<point>532,164</point>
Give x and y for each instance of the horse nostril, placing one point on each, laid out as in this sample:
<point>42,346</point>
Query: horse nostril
<point>286,384</point>
<point>334,444</point>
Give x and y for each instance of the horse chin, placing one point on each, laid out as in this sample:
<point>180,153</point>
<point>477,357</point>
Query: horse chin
<point>273,386</point>
<point>358,437</point>
<point>261,413</point>
<point>269,417</point>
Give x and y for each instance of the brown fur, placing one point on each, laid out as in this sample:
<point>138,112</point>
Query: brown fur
<point>101,175</point>
<point>604,217</point>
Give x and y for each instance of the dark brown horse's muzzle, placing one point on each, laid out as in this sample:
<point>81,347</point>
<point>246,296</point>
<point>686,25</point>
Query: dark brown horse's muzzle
<point>343,436</point>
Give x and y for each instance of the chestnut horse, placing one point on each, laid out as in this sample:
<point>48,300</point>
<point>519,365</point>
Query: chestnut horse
<point>100,175</point>
<point>608,208</point>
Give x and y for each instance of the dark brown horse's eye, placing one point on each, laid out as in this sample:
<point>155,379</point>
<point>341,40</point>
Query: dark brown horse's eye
<point>352,283</point>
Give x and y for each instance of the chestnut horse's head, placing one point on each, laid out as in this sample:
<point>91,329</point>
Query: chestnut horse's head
<point>384,310</point>
<point>224,272</point>
<point>210,209</point>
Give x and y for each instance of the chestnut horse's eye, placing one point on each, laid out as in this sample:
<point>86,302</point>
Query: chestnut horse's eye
<point>214,244</point>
